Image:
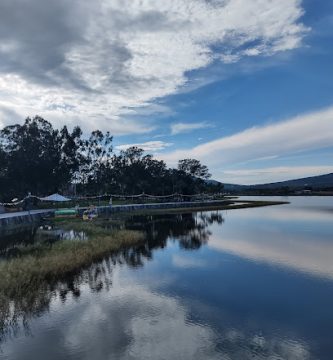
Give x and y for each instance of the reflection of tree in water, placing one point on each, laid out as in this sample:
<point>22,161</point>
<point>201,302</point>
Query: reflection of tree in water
<point>12,243</point>
<point>191,230</point>
<point>10,240</point>
<point>16,311</point>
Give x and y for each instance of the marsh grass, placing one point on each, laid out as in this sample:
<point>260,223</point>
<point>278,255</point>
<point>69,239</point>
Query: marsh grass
<point>43,264</point>
<point>42,271</point>
<point>235,204</point>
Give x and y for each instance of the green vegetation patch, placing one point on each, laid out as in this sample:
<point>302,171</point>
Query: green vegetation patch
<point>43,264</point>
<point>236,204</point>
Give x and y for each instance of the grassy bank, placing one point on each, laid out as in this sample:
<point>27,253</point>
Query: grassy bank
<point>48,263</point>
<point>43,264</point>
<point>241,204</point>
<point>235,205</point>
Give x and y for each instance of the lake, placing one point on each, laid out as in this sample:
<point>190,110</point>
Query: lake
<point>240,284</point>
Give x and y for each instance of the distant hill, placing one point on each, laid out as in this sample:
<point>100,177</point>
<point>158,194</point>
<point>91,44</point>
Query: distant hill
<point>314,182</point>
<point>212,182</point>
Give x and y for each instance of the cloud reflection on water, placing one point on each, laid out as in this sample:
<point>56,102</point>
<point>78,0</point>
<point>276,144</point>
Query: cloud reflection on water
<point>142,311</point>
<point>287,236</point>
<point>159,326</point>
<point>134,321</point>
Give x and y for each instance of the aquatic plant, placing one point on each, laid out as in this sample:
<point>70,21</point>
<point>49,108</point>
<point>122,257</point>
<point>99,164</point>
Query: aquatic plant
<point>43,271</point>
<point>47,263</point>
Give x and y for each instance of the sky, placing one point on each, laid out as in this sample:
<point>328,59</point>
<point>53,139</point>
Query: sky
<point>244,86</point>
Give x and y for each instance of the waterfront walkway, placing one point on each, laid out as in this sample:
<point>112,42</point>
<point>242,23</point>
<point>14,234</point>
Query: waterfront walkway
<point>25,213</point>
<point>26,217</point>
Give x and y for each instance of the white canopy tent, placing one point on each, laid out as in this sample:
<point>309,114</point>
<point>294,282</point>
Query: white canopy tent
<point>55,197</point>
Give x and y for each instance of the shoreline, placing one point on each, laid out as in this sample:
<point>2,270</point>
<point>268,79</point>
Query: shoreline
<point>11,221</point>
<point>39,265</point>
<point>242,205</point>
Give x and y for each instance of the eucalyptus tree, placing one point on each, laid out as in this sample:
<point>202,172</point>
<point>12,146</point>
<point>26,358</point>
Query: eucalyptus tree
<point>95,158</point>
<point>194,168</point>
<point>136,172</point>
<point>35,157</point>
<point>40,159</point>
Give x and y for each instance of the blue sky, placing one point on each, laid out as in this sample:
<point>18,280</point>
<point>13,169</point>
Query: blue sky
<point>246,87</point>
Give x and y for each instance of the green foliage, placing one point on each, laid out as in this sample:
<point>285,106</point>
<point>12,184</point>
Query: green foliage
<point>48,264</point>
<point>39,158</point>
<point>193,167</point>
<point>36,158</point>
<point>134,172</point>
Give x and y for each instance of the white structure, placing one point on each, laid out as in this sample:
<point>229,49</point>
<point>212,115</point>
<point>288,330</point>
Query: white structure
<point>55,198</point>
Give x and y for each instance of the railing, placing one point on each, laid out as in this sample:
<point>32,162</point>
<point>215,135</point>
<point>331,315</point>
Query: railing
<point>177,196</point>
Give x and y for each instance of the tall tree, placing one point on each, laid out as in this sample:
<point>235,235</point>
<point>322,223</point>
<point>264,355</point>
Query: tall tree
<point>40,159</point>
<point>35,157</point>
<point>194,168</point>
<point>135,172</point>
<point>3,170</point>
<point>96,152</point>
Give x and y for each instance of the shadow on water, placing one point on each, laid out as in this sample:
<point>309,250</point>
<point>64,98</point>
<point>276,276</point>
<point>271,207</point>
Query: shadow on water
<point>12,243</point>
<point>11,240</point>
<point>190,230</point>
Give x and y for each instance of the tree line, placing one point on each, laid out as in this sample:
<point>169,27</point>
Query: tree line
<point>36,158</point>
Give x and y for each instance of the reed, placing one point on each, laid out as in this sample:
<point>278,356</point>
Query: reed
<point>46,264</point>
<point>239,204</point>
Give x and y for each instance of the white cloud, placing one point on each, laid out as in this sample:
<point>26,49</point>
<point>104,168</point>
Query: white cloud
<point>301,133</point>
<point>97,63</point>
<point>147,146</point>
<point>180,128</point>
<point>230,58</point>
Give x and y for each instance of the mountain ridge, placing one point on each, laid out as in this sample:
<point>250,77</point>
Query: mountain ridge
<point>315,182</point>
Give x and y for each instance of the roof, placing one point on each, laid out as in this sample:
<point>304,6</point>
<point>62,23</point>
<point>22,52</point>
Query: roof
<point>55,197</point>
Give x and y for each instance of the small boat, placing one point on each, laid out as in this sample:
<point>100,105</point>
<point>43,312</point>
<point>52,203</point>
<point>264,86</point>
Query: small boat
<point>65,212</point>
<point>90,213</point>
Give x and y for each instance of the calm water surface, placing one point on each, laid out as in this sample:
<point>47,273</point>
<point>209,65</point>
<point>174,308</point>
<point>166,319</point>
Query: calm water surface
<point>239,284</point>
